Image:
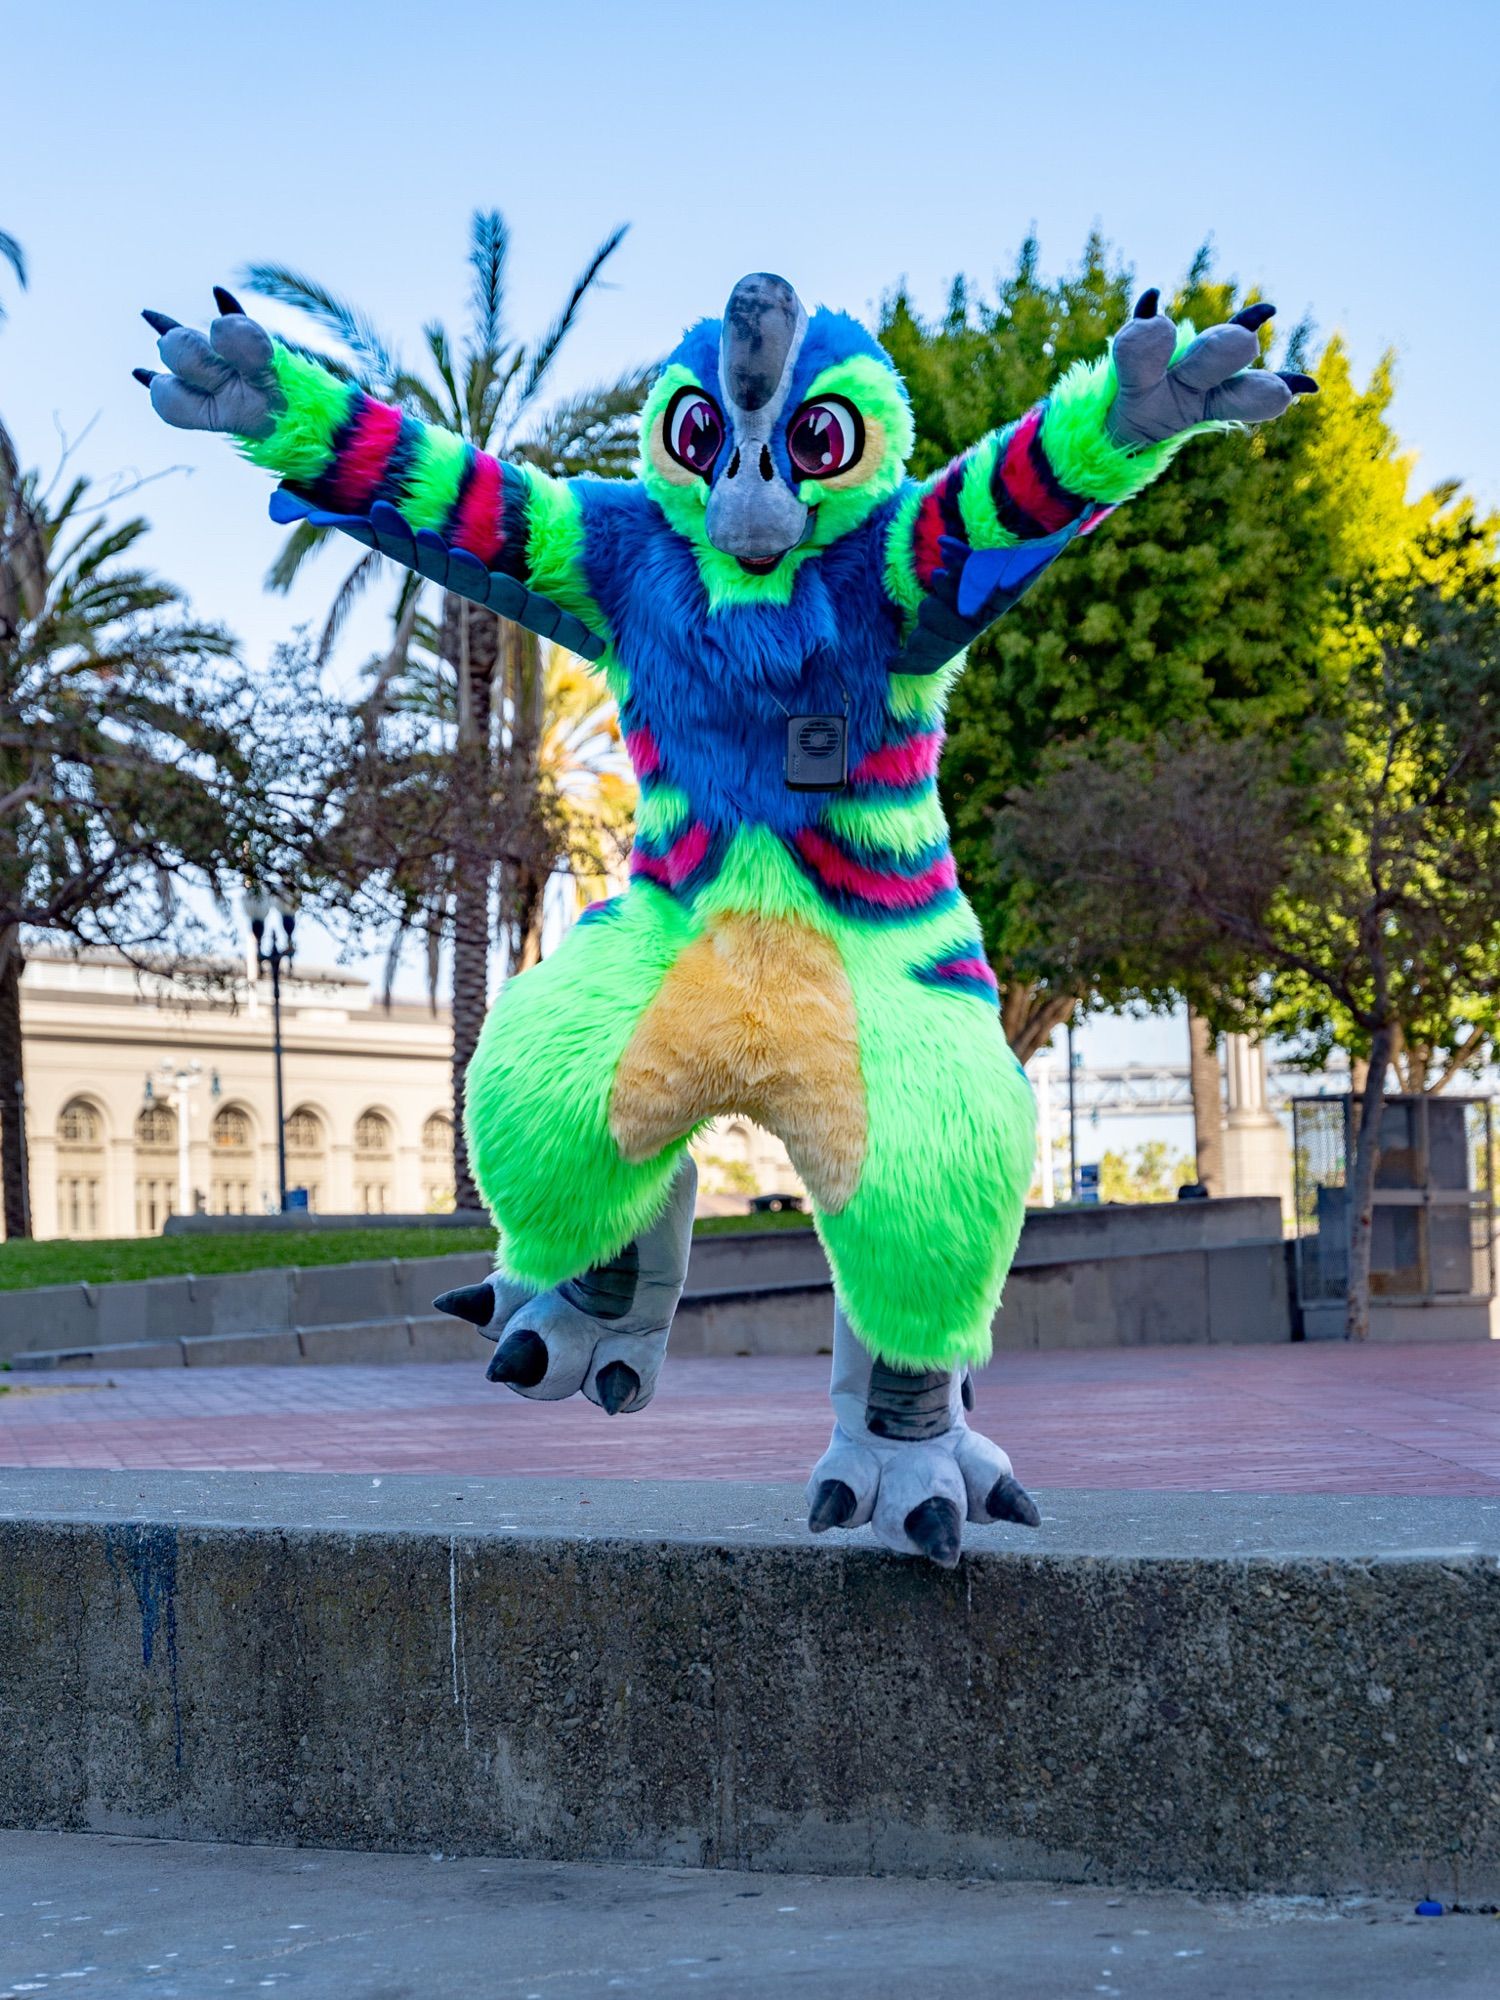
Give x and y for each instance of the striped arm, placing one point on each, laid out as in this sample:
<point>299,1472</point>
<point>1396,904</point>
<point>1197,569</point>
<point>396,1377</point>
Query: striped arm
<point>504,535</point>
<point>963,547</point>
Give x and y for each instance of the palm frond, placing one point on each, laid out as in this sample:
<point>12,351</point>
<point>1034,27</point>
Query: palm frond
<point>12,253</point>
<point>489,247</point>
<point>545,352</point>
<point>417,396</point>
<point>303,542</point>
<point>353,587</point>
<point>354,328</point>
<point>436,337</point>
<point>594,431</point>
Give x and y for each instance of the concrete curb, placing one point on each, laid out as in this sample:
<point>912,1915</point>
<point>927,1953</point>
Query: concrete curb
<point>458,1665</point>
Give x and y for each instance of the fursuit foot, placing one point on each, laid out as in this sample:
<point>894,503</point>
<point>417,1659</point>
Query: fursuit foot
<point>604,1333</point>
<point>903,1459</point>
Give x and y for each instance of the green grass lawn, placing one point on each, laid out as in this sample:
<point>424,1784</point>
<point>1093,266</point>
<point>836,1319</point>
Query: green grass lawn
<point>23,1265</point>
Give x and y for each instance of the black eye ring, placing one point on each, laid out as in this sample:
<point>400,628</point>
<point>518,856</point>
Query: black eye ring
<point>852,437</point>
<point>693,431</point>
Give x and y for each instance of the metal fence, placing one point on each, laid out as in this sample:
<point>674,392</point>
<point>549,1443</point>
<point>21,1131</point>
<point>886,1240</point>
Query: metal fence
<point>1434,1220</point>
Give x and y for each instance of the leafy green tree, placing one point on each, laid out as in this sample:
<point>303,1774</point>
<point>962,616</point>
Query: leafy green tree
<point>1346,878</point>
<point>1204,601</point>
<point>1148,1173</point>
<point>488,387</point>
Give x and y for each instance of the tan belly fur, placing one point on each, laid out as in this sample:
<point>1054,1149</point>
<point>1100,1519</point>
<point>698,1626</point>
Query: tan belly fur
<point>756,1017</point>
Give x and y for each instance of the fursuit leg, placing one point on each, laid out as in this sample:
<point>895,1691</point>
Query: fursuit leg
<point>903,1458</point>
<point>604,1332</point>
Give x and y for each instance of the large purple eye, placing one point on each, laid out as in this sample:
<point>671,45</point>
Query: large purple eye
<point>825,437</point>
<point>693,431</point>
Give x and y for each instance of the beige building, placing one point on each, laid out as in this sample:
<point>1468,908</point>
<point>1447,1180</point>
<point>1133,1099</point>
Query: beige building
<point>149,1094</point>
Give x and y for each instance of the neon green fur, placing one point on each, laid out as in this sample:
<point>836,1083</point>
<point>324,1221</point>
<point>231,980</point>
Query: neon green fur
<point>1077,441</point>
<point>975,501</point>
<point>554,549</point>
<point>920,1252</point>
<point>905,828</point>
<point>920,1249</point>
<point>317,403</point>
<point>537,1111</point>
<point>431,486</point>
<point>877,393</point>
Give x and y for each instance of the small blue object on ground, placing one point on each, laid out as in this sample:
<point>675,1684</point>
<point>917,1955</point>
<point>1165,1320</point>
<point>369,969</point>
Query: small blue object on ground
<point>1428,1909</point>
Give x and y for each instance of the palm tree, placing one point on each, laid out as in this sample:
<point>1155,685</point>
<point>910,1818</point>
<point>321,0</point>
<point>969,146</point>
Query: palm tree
<point>487,387</point>
<point>11,253</point>
<point>118,768</point>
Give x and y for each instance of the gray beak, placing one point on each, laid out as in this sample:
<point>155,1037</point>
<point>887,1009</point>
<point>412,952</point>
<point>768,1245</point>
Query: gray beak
<point>752,512</point>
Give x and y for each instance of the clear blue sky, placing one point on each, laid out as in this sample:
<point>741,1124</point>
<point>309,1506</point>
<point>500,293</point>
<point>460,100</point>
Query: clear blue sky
<point>1343,154</point>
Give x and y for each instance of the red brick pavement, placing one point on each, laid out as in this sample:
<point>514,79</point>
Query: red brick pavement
<point>1296,1419</point>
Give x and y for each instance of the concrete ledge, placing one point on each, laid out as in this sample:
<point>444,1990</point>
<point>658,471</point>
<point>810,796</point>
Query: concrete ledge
<point>1161,1274</point>
<point>1231,1693</point>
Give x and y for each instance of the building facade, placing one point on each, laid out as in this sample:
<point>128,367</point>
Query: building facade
<point>152,1094</point>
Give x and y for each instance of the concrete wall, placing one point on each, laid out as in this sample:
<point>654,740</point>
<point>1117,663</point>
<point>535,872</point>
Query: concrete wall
<point>1188,1271</point>
<point>691,1681</point>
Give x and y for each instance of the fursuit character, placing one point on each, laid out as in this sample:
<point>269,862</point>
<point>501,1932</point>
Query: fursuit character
<point>779,612</point>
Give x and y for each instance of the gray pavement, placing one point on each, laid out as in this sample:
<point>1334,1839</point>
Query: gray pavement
<point>95,1915</point>
<point>1113,1524</point>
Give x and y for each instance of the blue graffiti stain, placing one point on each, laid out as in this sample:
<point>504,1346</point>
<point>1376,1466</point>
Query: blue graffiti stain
<point>148,1550</point>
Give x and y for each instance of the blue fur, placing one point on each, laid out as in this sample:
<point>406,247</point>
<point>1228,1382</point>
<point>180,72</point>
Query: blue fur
<point>707,684</point>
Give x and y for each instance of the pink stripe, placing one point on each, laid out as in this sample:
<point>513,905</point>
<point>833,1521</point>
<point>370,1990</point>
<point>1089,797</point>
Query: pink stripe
<point>645,758</point>
<point>967,968</point>
<point>892,892</point>
<point>477,526</point>
<point>901,763</point>
<point>355,477</point>
<point>1024,484</point>
<point>674,867</point>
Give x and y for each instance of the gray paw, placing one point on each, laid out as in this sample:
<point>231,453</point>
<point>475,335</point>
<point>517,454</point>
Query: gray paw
<point>1212,381</point>
<point>916,1495</point>
<point>219,381</point>
<point>550,1349</point>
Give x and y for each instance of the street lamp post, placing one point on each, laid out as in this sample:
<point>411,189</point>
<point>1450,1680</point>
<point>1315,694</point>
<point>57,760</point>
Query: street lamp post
<point>273,955</point>
<point>180,1079</point>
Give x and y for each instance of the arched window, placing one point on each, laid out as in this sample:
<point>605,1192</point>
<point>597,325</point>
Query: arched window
<point>232,1189</point>
<point>305,1139</point>
<point>437,1163</point>
<point>304,1131</point>
<point>373,1143</point>
<point>80,1168</point>
<point>372,1133</point>
<point>156,1127</point>
<point>79,1123</point>
<point>231,1128</point>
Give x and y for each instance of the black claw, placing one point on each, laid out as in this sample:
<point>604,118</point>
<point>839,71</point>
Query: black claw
<point>832,1505</point>
<point>475,1303</point>
<point>1146,304</point>
<point>1254,316</point>
<point>160,322</point>
<point>1300,385</point>
<point>226,301</point>
<point>937,1529</point>
<point>145,376</point>
<point>520,1359</point>
<point>966,1390</point>
<point>618,1384</point>
<point>1009,1501</point>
